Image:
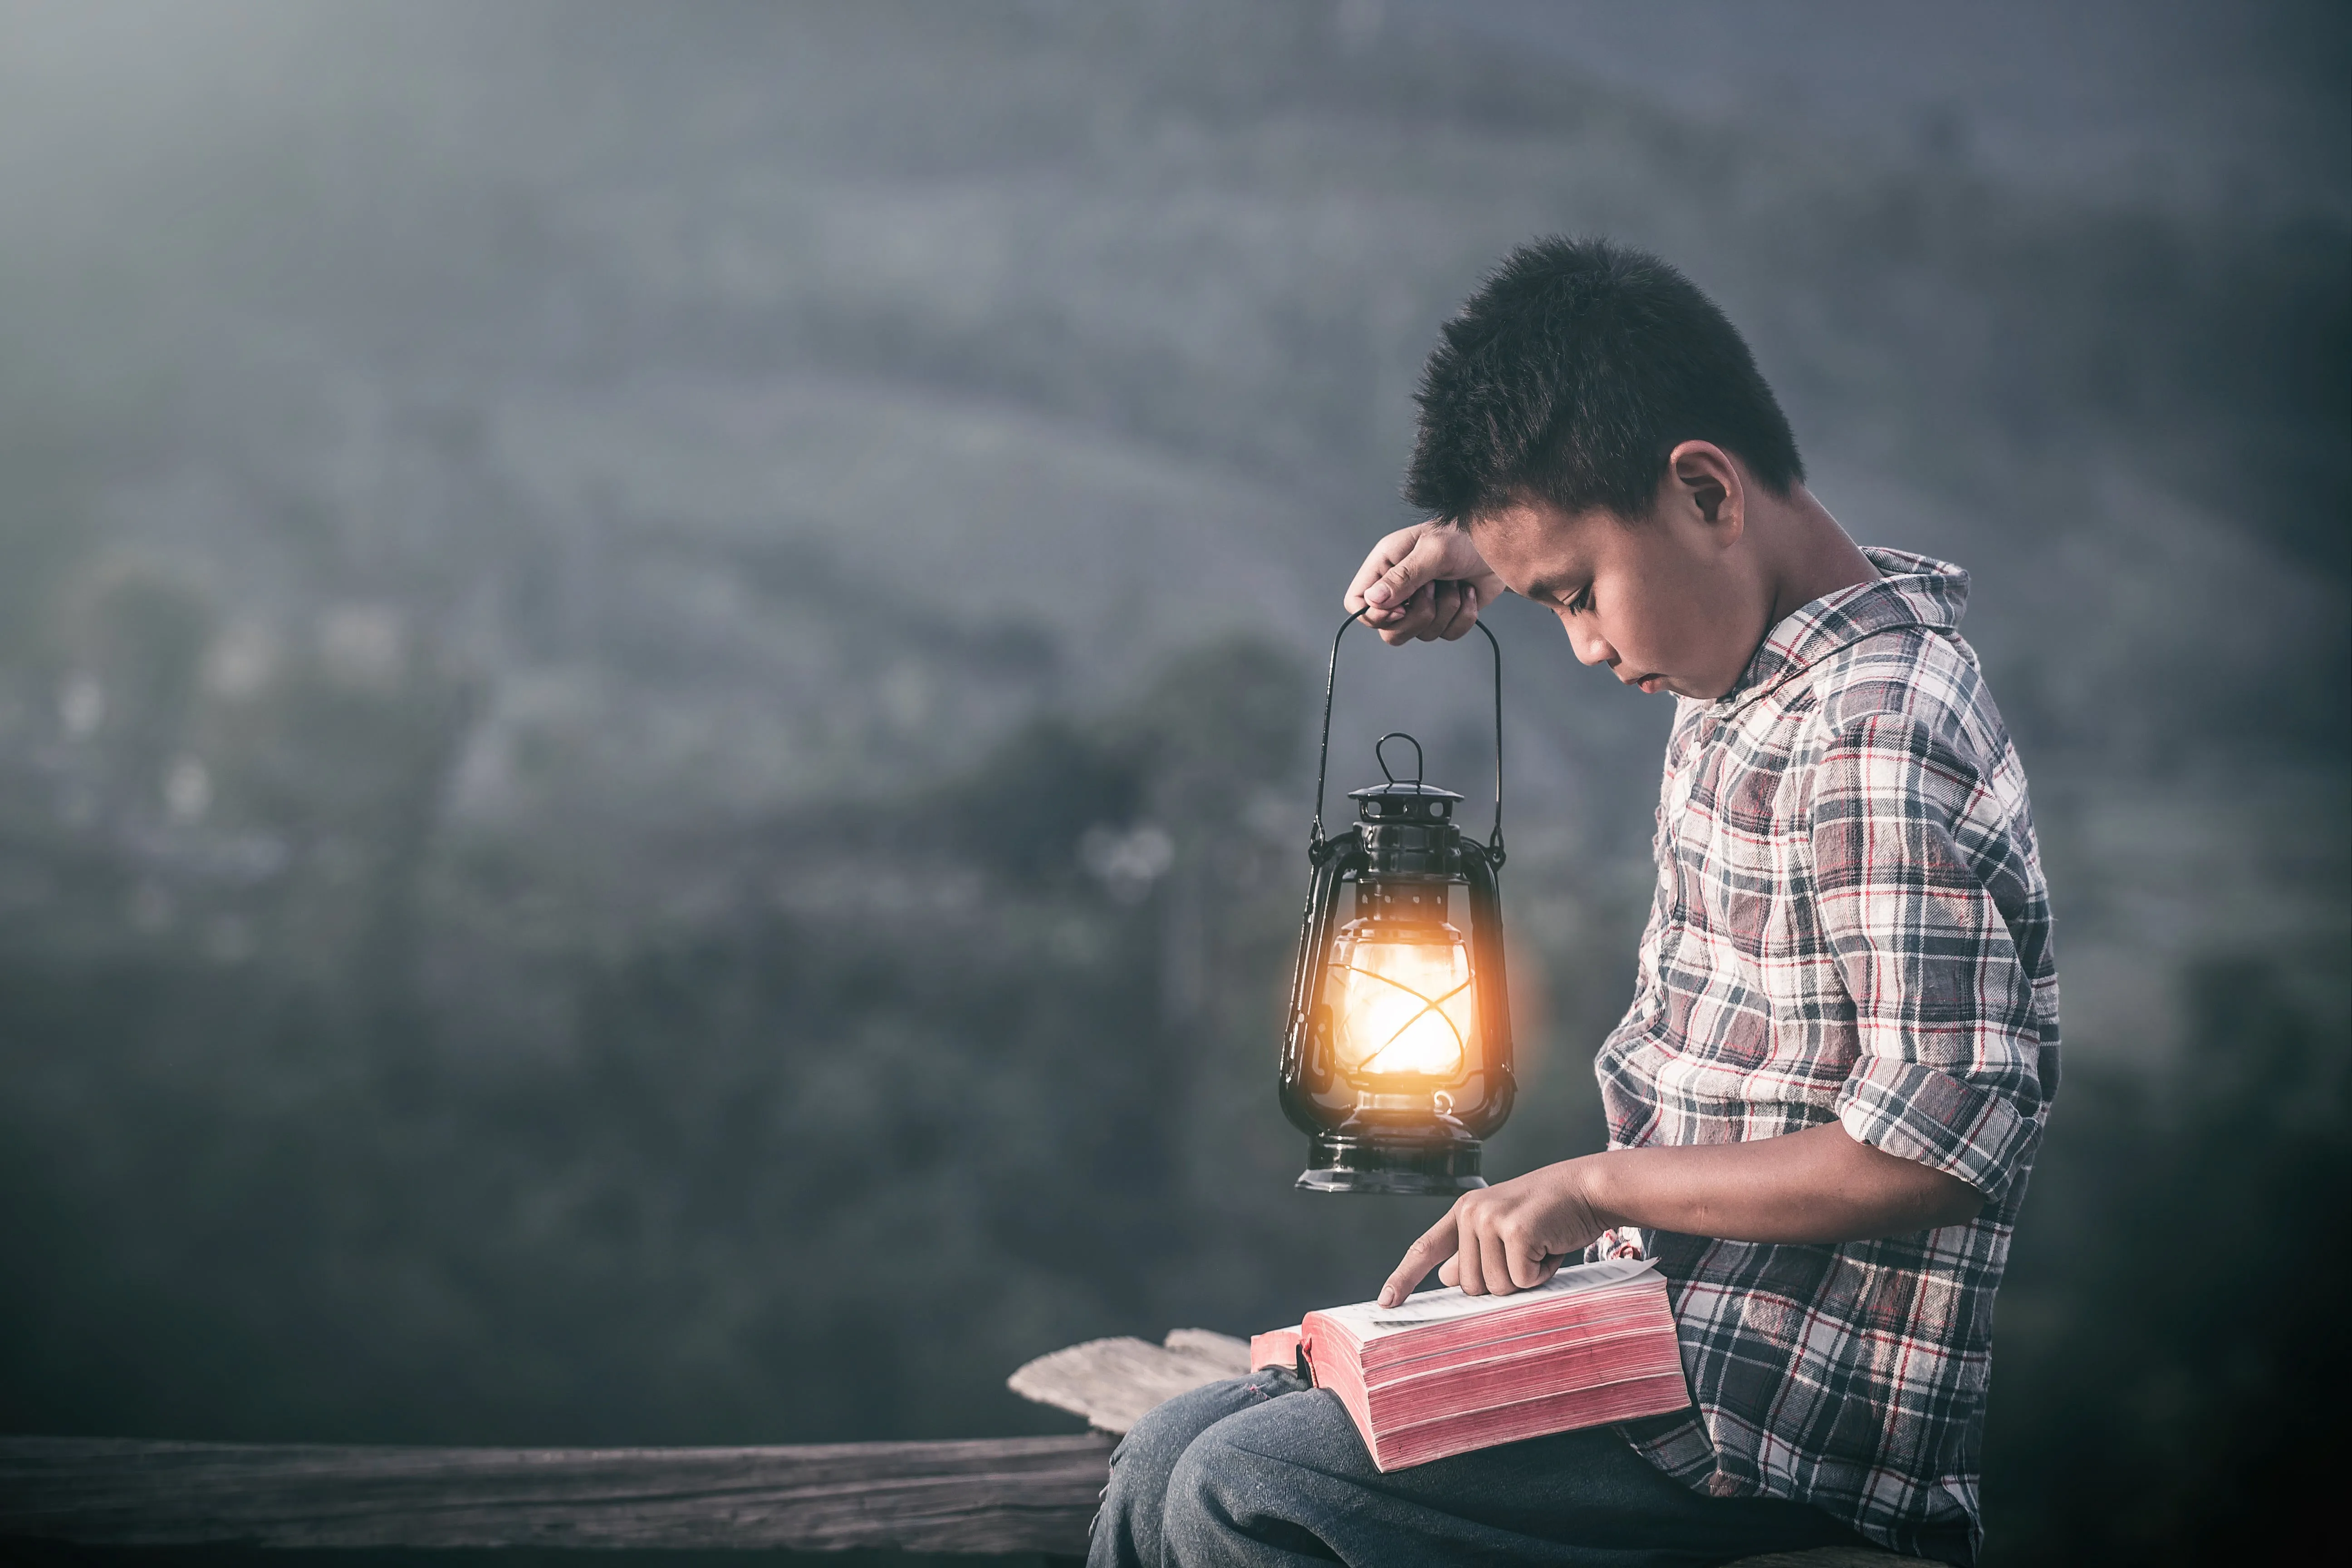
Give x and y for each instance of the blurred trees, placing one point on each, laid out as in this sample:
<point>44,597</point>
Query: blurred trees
<point>2163,1389</point>
<point>908,1105</point>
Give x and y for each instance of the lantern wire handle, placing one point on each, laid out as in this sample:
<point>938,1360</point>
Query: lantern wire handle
<point>1316,843</point>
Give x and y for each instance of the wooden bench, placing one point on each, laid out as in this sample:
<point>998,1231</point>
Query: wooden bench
<point>991,1497</point>
<point>994,1496</point>
<point>997,1496</point>
<point>1112,1382</point>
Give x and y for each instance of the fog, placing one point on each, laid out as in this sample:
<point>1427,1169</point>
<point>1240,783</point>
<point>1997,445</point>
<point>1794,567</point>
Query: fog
<point>581,579</point>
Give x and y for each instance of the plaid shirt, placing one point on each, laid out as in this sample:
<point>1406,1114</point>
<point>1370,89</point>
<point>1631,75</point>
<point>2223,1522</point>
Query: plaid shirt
<point>1850,924</point>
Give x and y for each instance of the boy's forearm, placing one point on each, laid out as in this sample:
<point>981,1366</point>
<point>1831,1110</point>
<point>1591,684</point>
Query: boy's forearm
<point>1810,1186</point>
<point>1818,1185</point>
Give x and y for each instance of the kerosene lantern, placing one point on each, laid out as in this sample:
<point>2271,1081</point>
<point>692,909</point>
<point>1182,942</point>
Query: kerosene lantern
<point>1396,1060</point>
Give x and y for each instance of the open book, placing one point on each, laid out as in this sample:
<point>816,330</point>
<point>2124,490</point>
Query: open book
<point>1442,1373</point>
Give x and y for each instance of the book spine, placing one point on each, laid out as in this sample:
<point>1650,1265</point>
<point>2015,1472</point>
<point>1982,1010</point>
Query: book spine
<point>1276,1347</point>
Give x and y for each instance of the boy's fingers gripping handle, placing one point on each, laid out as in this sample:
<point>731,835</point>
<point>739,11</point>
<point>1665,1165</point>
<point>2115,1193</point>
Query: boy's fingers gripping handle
<point>1389,590</point>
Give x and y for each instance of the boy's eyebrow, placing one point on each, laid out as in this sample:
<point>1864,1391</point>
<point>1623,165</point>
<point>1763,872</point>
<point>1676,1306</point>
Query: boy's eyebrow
<point>1548,587</point>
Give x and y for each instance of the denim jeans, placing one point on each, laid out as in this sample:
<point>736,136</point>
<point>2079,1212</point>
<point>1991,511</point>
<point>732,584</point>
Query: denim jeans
<point>1263,1472</point>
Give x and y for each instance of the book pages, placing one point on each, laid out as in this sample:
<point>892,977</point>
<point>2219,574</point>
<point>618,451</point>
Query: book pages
<point>1369,1319</point>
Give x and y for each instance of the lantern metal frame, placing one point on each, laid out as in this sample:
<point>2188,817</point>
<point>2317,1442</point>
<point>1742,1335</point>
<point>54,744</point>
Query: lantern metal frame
<point>1429,1154</point>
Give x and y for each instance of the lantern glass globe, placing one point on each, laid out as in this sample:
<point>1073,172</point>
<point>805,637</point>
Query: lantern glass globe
<point>1402,1003</point>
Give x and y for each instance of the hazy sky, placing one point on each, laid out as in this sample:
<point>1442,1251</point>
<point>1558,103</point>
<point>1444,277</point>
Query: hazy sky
<point>2194,100</point>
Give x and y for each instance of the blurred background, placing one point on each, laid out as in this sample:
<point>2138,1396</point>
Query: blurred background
<point>656,672</point>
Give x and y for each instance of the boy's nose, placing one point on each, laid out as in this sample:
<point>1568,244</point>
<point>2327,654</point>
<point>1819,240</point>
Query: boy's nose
<point>1589,646</point>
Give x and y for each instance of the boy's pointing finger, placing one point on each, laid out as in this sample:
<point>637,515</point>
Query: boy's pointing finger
<point>1435,1246</point>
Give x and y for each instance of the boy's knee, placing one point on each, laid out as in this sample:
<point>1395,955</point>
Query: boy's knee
<point>1128,1525</point>
<point>1154,1444</point>
<point>1127,1529</point>
<point>1198,1508</point>
<point>1241,1481</point>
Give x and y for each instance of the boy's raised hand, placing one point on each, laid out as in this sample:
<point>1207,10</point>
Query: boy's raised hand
<point>1424,583</point>
<point>1510,1237</point>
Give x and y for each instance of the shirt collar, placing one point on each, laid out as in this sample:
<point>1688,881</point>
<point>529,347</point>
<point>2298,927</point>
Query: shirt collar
<point>1911,591</point>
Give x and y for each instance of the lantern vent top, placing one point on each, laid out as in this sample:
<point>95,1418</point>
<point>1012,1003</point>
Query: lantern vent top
<point>1403,800</point>
<point>1400,801</point>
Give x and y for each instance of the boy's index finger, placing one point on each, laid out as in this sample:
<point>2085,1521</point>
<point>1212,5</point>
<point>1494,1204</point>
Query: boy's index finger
<point>1435,1246</point>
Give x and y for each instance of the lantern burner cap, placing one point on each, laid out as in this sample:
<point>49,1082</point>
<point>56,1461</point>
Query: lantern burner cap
<point>1437,1168</point>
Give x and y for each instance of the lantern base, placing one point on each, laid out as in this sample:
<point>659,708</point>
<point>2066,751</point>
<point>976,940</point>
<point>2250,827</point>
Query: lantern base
<point>1399,1169</point>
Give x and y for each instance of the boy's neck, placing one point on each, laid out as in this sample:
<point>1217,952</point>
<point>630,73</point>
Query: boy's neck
<point>1806,554</point>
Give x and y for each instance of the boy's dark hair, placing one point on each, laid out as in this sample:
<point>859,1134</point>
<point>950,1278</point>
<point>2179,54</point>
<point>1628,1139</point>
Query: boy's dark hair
<point>1568,377</point>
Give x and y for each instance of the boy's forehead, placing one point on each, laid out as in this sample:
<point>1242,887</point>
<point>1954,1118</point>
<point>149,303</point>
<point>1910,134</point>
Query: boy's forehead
<point>1538,544</point>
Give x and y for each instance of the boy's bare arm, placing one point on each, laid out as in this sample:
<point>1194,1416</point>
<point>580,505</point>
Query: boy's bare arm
<point>1815,1186</point>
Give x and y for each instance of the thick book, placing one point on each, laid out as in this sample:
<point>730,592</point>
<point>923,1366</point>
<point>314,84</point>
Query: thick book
<point>1442,1373</point>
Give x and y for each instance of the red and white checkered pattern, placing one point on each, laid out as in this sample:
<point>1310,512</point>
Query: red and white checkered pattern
<point>1850,924</point>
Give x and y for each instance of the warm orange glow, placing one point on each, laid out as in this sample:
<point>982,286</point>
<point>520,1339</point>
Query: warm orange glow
<point>1402,1007</point>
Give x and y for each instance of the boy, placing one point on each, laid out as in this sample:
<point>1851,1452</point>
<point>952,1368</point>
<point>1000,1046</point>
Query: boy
<point>1826,1096</point>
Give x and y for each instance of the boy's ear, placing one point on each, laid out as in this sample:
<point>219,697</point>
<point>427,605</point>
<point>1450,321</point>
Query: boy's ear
<point>1707,480</point>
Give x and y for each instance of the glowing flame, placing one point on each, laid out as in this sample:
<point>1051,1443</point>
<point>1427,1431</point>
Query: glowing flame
<point>1403,1007</point>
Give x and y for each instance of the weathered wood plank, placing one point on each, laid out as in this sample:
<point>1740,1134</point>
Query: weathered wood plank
<point>1112,1382</point>
<point>1222,1353</point>
<point>996,1495</point>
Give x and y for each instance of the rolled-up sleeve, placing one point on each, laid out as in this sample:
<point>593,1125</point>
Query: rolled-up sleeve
<point>1908,851</point>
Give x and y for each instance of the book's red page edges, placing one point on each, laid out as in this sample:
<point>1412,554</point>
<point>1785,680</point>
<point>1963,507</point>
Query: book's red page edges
<point>1275,1347</point>
<point>1646,1318</point>
<point>1500,1322</point>
<point>1568,1411</point>
<point>1558,1363</point>
<point>1517,1350</point>
<point>1396,1354</point>
<point>1537,1315</point>
<point>1646,1381</point>
<point>1506,1380</point>
<point>1544,1335</point>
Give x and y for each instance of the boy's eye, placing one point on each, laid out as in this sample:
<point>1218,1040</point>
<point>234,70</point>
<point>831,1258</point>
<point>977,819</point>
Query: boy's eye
<point>1580,601</point>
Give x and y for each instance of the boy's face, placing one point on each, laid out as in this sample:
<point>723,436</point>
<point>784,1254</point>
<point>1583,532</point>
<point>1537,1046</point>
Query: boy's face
<point>1669,603</point>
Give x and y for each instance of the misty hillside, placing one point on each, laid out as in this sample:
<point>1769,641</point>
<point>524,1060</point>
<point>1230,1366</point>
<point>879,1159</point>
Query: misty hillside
<point>656,667</point>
